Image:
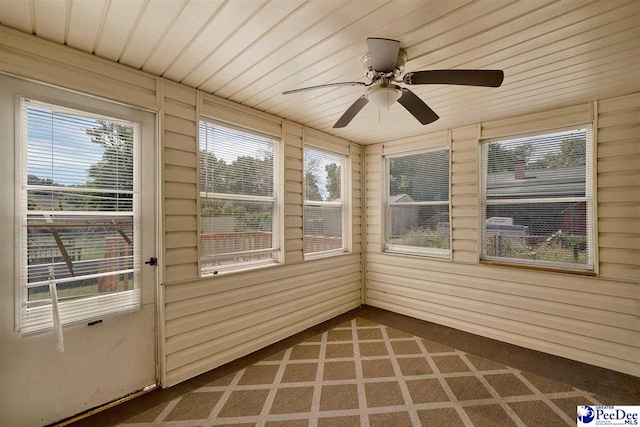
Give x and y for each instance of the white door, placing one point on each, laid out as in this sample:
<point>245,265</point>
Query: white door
<point>77,222</point>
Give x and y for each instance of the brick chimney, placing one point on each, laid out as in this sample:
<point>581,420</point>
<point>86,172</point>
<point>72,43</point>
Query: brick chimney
<point>519,170</point>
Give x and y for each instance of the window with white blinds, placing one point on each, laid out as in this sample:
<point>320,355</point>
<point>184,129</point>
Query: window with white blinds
<point>239,213</point>
<point>417,203</point>
<point>537,199</point>
<point>324,202</point>
<point>79,222</point>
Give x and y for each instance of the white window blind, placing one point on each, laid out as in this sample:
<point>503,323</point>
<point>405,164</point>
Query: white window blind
<point>418,203</point>
<point>238,208</point>
<point>537,199</point>
<point>79,222</point>
<point>324,208</point>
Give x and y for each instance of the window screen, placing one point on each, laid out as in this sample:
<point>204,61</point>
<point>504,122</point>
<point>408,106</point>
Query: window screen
<point>418,203</point>
<point>537,199</point>
<point>324,209</point>
<point>79,222</point>
<point>238,209</point>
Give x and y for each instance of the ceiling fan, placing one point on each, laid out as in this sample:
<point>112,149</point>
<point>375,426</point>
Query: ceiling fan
<point>383,66</point>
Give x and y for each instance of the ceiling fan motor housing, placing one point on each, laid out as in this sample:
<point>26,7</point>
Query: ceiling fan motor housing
<point>373,75</point>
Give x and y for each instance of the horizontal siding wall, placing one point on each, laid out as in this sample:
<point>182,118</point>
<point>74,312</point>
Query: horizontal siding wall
<point>212,322</point>
<point>594,320</point>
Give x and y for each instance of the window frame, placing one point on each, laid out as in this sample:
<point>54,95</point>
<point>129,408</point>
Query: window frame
<point>21,211</point>
<point>589,199</point>
<point>345,204</point>
<point>277,227</point>
<point>435,253</point>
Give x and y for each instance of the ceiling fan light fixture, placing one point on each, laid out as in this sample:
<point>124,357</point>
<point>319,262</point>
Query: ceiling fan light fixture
<point>383,96</point>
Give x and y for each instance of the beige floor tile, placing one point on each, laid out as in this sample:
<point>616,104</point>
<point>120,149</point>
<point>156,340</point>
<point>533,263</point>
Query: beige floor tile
<point>490,416</point>
<point>339,371</point>
<point>338,397</point>
<point>383,394</point>
<point>194,406</point>
<point>394,333</point>
<point>537,413</point>
<point>440,417</point>
<point>364,322</point>
<point>449,364</point>
<point>259,374</point>
<point>369,334</point>
<point>372,349</point>
<point>275,357</point>
<point>222,381</point>
<point>482,364</point>
<point>149,415</point>
<point>340,335</point>
<point>508,385</point>
<point>405,347</point>
<point>395,419</point>
<point>414,366</point>
<point>434,347</point>
<point>352,421</point>
<point>300,372</point>
<point>292,400</point>
<point>426,391</point>
<point>304,352</point>
<point>288,423</point>
<point>379,368</point>
<point>570,405</point>
<point>468,388</point>
<point>336,351</point>
<point>244,403</point>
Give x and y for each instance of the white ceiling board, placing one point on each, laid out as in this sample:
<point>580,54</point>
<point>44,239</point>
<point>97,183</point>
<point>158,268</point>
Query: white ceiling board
<point>258,26</point>
<point>554,53</point>
<point>85,22</point>
<point>157,19</point>
<point>16,14</point>
<point>51,19</point>
<point>121,18</point>
<point>309,24</point>
<point>186,27</point>
<point>229,18</point>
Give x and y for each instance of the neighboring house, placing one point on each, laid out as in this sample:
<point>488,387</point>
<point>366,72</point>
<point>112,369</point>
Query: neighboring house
<point>405,218</point>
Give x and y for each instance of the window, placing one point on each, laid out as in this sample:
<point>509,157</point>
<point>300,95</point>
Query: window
<point>79,223</point>
<point>238,204</point>
<point>536,196</point>
<point>324,208</point>
<point>417,217</point>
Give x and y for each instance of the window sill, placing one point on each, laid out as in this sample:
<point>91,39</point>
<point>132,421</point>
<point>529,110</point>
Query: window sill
<point>421,255</point>
<point>327,254</point>
<point>588,273</point>
<point>239,269</point>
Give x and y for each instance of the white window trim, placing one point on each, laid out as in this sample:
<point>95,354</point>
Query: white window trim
<point>588,199</point>
<point>276,199</point>
<point>95,306</point>
<point>345,191</point>
<point>413,250</point>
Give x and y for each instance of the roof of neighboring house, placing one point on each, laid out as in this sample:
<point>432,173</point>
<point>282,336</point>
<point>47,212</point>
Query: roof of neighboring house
<point>559,182</point>
<point>400,198</point>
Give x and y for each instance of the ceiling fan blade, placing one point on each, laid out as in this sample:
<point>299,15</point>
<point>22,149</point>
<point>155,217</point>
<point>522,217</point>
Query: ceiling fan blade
<point>289,92</point>
<point>351,112</point>
<point>417,107</point>
<point>384,54</point>
<point>489,78</point>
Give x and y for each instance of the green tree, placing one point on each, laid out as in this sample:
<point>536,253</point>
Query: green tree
<point>311,170</point>
<point>573,152</point>
<point>334,178</point>
<point>115,169</point>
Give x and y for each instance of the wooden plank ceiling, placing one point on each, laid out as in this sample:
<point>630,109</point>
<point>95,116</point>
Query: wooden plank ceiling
<point>554,52</point>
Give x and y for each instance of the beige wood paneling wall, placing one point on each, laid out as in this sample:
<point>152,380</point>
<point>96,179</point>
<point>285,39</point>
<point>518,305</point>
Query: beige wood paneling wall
<point>206,322</point>
<point>591,319</point>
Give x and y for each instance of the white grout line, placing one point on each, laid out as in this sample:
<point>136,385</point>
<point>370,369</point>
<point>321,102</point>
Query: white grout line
<point>362,398</point>
<point>262,419</point>
<point>499,399</point>
<point>317,387</point>
<point>223,399</point>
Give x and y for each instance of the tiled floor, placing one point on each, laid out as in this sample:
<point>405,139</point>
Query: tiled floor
<point>363,373</point>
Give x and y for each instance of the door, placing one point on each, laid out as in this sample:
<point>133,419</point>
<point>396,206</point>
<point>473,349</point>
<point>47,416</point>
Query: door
<point>77,222</point>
